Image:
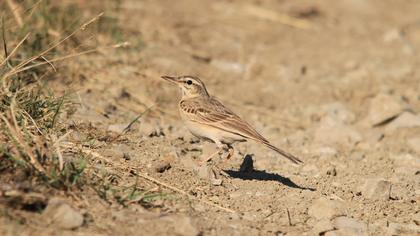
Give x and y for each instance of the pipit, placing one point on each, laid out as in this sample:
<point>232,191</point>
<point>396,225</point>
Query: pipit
<point>207,118</point>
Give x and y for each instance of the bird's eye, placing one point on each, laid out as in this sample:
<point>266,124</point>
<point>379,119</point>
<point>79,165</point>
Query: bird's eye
<point>189,82</point>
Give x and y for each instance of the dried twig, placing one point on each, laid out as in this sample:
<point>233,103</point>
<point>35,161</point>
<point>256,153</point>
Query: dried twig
<point>16,11</point>
<point>17,136</point>
<point>126,129</point>
<point>288,217</point>
<point>66,57</point>
<point>151,179</point>
<point>14,50</point>
<point>135,120</point>
<point>24,63</point>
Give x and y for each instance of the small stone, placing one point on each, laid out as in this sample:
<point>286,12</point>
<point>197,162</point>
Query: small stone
<point>331,171</point>
<point>377,189</point>
<point>324,208</point>
<point>216,182</point>
<point>392,35</point>
<point>404,120</point>
<point>247,165</point>
<point>416,218</point>
<point>59,214</point>
<point>126,156</point>
<point>163,166</point>
<point>383,107</point>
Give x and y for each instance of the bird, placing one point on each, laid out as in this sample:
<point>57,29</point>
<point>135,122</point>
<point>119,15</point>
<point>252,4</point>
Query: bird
<point>207,118</point>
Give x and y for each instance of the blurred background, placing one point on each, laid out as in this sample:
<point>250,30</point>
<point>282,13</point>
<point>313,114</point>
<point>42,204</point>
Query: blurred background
<point>84,114</point>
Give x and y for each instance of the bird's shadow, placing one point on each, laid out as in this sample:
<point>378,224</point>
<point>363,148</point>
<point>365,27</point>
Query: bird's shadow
<point>247,172</point>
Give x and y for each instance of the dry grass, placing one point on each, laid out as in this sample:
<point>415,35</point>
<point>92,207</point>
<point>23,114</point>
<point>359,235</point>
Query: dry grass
<point>30,126</point>
<point>37,39</point>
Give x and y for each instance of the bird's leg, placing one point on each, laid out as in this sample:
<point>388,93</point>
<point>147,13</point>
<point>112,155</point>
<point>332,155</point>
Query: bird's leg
<point>230,151</point>
<point>219,150</point>
<point>209,157</point>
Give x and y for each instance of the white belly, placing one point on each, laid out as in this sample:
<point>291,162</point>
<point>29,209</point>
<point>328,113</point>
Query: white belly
<point>216,135</point>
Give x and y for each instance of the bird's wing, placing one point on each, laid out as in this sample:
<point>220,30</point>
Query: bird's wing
<point>213,113</point>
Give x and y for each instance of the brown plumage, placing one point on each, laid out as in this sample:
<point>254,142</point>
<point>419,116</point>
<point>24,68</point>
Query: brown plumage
<point>208,118</point>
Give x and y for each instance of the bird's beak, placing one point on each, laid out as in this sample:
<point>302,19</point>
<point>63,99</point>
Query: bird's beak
<point>171,79</point>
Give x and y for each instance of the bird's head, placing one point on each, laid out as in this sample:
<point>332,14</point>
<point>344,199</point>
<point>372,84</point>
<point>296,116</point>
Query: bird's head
<point>191,86</point>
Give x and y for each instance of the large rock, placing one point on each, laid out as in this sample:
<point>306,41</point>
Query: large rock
<point>324,208</point>
<point>59,214</point>
<point>382,108</point>
<point>377,189</point>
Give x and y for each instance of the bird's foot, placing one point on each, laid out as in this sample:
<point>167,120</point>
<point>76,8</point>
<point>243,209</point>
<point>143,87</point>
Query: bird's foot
<point>217,175</point>
<point>209,158</point>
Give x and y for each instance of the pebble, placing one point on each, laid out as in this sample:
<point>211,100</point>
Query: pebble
<point>392,35</point>
<point>163,166</point>
<point>331,171</point>
<point>382,108</point>
<point>376,189</point>
<point>404,120</point>
<point>59,214</point>
<point>416,218</point>
<point>324,208</point>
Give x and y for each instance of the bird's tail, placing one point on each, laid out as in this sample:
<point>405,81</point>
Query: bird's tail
<point>283,153</point>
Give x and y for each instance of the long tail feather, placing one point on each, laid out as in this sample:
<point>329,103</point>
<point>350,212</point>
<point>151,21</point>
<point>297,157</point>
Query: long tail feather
<point>289,156</point>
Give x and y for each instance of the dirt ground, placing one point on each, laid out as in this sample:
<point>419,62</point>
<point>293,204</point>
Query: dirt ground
<point>336,83</point>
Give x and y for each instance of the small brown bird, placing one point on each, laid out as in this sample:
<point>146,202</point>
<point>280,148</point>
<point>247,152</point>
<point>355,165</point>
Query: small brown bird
<point>209,119</point>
